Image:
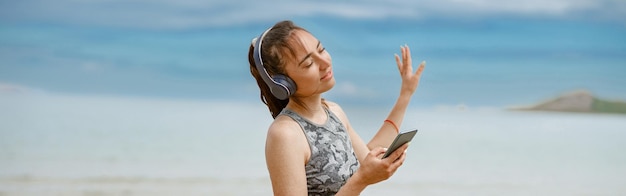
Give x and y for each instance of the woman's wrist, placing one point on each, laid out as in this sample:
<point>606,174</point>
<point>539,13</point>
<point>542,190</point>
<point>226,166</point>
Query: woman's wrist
<point>354,186</point>
<point>358,181</point>
<point>404,98</point>
<point>406,94</point>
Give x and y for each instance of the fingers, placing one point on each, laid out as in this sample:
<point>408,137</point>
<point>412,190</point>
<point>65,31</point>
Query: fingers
<point>378,152</point>
<point>398,153</point>
<point>376,169</point>
<point>404,61</point>
<point>406,66</point>
<point>398,162</point>
<point>397,158</point>
<point>407,58</point>
<point>398,63</point>
<point>420,68</point>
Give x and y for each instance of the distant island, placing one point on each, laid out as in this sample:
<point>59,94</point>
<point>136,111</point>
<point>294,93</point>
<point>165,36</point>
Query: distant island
<point>578,101</point>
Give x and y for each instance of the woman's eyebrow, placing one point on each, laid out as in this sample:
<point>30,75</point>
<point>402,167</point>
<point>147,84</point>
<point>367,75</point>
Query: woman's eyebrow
<point>310,53</point>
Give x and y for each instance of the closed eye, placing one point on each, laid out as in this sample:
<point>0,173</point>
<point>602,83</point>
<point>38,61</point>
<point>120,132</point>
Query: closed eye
<point>322,50</point>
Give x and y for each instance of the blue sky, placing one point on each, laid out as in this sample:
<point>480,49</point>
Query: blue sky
<point>179,48</point>
<point>185,14</point>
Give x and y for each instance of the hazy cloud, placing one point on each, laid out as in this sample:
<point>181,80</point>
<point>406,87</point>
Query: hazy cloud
<point>347,89</point>
<point>9,88</point>
<point>197,14</point>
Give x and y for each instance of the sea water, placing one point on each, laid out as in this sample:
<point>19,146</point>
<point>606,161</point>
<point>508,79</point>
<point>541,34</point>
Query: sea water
<point>61,144</point>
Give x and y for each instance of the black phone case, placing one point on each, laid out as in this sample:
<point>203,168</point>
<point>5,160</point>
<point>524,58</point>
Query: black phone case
<point>401,139</point>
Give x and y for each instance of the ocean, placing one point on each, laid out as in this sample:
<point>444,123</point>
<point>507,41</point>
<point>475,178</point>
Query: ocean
<point>490,62</point>
<point>101,102</point>
<point>65,144</point>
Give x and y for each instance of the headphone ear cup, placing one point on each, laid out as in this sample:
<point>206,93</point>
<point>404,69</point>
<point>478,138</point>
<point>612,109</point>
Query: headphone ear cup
<point>284,87</point>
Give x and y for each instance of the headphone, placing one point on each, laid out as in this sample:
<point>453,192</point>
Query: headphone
<point>280,85</point>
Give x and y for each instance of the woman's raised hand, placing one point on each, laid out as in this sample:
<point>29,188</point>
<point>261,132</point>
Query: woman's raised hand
<point>410,79</point>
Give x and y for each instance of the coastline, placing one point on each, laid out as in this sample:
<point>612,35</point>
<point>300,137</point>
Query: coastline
<point>77,145</point>
<point>579,101</point>
<point>27,185</point>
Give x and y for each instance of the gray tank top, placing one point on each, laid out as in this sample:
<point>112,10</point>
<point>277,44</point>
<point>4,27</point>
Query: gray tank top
<point>332,159</point>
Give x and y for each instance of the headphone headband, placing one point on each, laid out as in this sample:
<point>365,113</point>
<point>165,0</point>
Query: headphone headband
<point>281,86</point>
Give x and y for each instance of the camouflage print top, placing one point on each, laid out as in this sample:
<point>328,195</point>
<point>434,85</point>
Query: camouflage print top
<point>332,159</point>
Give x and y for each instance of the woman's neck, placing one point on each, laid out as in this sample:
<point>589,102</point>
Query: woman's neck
<point>310,108</point>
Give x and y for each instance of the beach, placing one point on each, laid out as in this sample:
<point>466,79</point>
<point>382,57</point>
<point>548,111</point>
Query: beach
<point>92,145</point>
<point>156,97</point>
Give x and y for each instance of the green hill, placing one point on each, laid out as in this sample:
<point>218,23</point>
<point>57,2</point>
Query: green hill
<point>604,106</point>
<point>579,101</point>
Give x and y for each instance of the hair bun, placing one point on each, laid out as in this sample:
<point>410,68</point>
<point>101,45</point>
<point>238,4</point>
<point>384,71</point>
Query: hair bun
<point>254,41</point>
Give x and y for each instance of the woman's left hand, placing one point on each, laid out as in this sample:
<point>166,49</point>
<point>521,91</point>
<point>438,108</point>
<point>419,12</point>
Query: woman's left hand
<point>410,79</point>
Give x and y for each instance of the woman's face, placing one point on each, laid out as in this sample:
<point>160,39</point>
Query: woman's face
<point>311,67</point>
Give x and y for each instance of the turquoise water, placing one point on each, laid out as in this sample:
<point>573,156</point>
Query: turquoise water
<point>75,144</point>
<point>490,62</point>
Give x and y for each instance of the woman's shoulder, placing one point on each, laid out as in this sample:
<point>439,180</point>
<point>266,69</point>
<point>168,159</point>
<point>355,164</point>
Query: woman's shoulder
<point>285,137</point>
<point>283,127</point>
<point>334,107</point>
<point>331,105</point>
<point>338,111</point>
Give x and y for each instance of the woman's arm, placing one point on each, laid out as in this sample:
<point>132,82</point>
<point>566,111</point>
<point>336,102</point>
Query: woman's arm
<point>387,131</point>
<point>410,81</point>
<point>373,169</point>
<point>286,152</point>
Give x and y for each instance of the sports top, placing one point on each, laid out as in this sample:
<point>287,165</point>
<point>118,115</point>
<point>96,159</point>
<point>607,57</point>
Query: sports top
<point>332,159</point>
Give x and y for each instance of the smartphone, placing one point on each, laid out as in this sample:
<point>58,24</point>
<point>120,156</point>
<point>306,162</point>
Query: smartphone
<point>401,139</point>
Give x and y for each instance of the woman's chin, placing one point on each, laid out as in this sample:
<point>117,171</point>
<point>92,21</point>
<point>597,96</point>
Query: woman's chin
<point>329,85</point>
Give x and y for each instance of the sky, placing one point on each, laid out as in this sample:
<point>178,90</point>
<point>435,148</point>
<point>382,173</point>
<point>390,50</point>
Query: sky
<point>167,48</point>
<point>187,14</point>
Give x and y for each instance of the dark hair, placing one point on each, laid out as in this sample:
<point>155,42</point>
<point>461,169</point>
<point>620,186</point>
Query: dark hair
<point>273,50</point>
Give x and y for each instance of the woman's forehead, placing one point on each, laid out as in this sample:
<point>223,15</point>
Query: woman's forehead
<point>302,43</point>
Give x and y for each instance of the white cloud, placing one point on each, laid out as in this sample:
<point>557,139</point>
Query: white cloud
<point>197,13</point>
<point>92,66</point>
<point>9,88</point>
<point>348,89</point>
<point>530,7</point>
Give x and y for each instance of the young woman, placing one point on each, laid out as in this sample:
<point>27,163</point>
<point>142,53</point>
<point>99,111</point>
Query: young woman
<point>311,148</point>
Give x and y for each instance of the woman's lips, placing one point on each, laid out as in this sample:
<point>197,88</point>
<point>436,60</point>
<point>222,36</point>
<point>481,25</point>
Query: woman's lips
<point>327,75</point>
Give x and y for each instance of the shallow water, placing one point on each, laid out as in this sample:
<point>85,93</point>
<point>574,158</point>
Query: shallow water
<point>87,145</point>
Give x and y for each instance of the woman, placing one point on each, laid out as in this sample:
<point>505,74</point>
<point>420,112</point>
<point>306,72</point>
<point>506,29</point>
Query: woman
<point>311,146</point>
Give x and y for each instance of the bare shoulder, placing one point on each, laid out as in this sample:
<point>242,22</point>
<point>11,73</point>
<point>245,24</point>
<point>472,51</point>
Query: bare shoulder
<point>286,139</point>
<point>286,145</point>
<point>286,153</point>
<point>337,110</point>
<point>284,128</point>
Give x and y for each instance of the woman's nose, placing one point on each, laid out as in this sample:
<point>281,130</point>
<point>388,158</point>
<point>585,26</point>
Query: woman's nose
<point>324,61</point>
